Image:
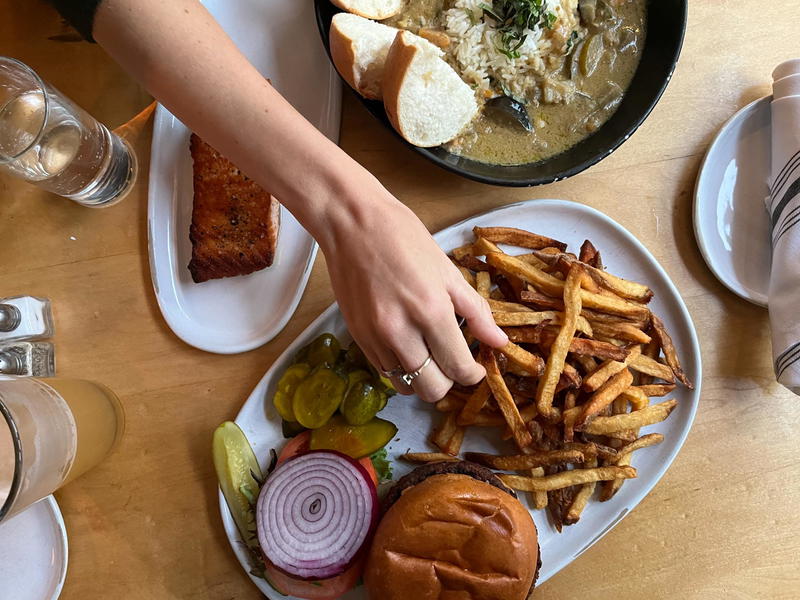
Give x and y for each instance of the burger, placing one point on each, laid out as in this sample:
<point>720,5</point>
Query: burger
<point>452,530</point>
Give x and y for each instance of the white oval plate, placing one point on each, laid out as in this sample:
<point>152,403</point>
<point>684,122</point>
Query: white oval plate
<point>730,217</point>
<point>625,256</point>
<point>33,553</point>
<point>237,314</point>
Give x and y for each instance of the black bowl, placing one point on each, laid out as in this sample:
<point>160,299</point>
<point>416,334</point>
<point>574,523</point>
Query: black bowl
<point>666,24</point>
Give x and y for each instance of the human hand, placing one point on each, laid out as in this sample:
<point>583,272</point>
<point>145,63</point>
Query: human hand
<point>400,294</point>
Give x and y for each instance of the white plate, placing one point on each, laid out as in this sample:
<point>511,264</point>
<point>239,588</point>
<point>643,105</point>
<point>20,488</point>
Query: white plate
<point>33,553</point>
<point>625,256</point>
<point>239,313</point>
<point>730,217</point>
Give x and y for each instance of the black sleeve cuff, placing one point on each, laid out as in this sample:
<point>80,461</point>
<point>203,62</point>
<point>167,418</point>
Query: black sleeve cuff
<point>79,13</point>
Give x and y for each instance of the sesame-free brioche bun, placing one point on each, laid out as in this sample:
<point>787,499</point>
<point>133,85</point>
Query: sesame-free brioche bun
<point>450,534</point>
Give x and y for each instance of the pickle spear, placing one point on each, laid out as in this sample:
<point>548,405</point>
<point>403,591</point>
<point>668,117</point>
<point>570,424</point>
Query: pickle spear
<point>239,478</point>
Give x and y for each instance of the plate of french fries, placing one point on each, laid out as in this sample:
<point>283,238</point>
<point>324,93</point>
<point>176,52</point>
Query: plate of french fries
<point>585,408</point>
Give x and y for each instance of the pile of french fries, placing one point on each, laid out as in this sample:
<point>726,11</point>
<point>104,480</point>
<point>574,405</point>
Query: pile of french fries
<point>573,386</point>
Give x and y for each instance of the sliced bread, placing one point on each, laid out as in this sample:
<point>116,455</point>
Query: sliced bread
<point>358,49</point>
<point>425,99</point>
<point>371,9</point>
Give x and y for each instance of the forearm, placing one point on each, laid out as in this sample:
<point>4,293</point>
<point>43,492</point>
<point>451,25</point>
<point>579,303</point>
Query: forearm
<point>182,56</point>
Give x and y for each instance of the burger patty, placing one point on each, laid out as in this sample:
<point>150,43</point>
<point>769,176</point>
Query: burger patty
<point>460,467</point>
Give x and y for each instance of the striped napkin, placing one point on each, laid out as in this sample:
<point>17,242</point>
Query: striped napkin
<point>783,205</point>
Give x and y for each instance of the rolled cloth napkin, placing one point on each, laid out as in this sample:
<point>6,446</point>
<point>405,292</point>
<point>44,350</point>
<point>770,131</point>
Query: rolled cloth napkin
<point>783,205</point>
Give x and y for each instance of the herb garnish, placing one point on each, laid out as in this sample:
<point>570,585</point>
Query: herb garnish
<point>513,17</point>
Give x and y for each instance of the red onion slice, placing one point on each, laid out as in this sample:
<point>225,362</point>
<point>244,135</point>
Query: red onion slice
<point>314,514</point>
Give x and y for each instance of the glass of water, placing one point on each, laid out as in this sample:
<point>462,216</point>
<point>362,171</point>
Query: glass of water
<point>54,144</point>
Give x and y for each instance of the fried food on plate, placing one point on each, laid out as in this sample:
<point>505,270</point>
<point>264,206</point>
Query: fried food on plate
<point>573,386</point>
<point>235,222</point>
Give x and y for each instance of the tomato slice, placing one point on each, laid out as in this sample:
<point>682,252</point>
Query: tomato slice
<point>302,443</point>
<point>323,589</point>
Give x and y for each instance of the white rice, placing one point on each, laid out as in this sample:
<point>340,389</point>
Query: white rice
<point>475,42</point>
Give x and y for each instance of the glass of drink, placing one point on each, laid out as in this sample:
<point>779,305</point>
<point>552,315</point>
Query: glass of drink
<point>51,431</point>
<point>54,144</point>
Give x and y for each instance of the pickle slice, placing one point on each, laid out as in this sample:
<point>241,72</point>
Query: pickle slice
<point>361,403</point>
<point>323,351</point>
<point>287,385</point>
<point>356,441</point>
<point>239,477</point>
<point>318,396</point>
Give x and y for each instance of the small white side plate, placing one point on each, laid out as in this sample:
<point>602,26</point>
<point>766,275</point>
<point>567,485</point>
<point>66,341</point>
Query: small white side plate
<point>237,314</point>
<point>625,256</point>
<point>33,553</point>
<point>730,217</point>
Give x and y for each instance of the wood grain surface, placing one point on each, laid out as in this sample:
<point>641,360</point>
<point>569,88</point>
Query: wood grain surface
<point>723,522</point>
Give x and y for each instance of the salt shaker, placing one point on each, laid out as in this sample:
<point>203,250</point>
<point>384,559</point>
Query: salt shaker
<point>25,318</point>
<point>28,358</point>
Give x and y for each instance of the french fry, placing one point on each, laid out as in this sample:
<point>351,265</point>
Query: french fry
<point>474,404</point>
<point>503,398</point>
<point>505,306</point>
<point>670,354</point>
<point>621,331</point>
<point>446,436</point>
<point>521,462</point>
<point>532,260</point>
<point>620,287</point>
<point>488,420</point>
<point>656,389</point>
<point>587,253</point>
<point>605,395</point>
<point>582,497</point>
<point>483,283</point>
<point>610,488</point>
<point>586,363</point>
<point>593,316</point>
<point>535,428</point>
<point>634,420</point>
<point>529,362</point>
<point>636,397</point>
<point>593,450</point>
<point>483,247</point>
<point>649,366</point>
<point>450,403</point>
<point>558,351</point>
<point>553,286</point>
<point>474,264</point>
<point>517,237</point>
<point>462,251</point>
<point>467,275</point>
<point>608,369</point>
<point>539,498</point>
<point>653,350</point>
<point>569,423</point>
<point>566,478</point>
<point>651,439</point>
<point>541,300</point>
<point>427,457</point>
<point>604,350</point>
<point>518,319</point>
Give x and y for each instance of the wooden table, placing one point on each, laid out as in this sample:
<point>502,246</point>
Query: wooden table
<point>145,524</point>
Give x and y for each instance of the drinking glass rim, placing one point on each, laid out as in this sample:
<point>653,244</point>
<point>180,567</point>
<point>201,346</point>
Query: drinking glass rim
<point>16,481</point>
<point>42,86</point>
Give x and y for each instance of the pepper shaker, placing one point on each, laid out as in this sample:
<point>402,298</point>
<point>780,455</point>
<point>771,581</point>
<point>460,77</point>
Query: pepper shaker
<point>25,318</point>
<point>28,358</point>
